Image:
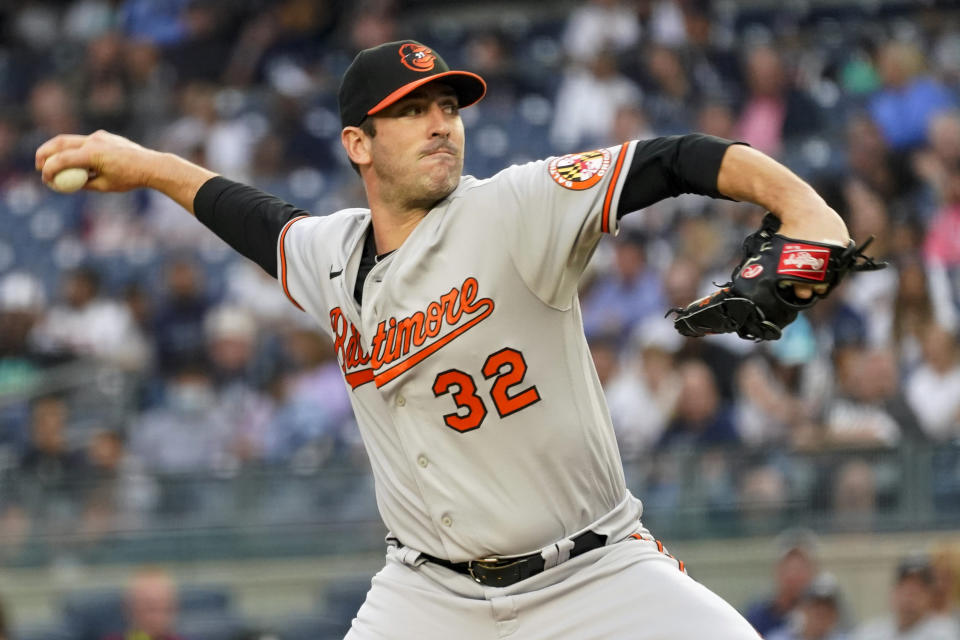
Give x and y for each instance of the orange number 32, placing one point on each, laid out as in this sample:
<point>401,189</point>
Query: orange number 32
<point>508,368</point>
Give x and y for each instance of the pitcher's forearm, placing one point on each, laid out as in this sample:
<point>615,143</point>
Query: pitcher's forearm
<point>117,164</point>
<point>175,177</point>
<point>748,175</point>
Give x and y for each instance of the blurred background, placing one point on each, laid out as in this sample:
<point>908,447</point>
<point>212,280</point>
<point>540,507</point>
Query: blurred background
<point>177,450</point>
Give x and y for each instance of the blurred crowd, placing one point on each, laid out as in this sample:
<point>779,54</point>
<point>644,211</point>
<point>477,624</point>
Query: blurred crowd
<point>218,372</point>
<point>807,602</point>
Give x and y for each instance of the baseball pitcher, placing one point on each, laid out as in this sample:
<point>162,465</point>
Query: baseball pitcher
<point>452,305</point>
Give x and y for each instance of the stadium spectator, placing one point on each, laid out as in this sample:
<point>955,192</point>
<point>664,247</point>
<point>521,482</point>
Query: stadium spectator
<point>51,474</point>
<point>942,251</point>
<point>872,162</point>
<point>48,460</point>
<point>105,100</point>
<point>934,163</point>
<point>150,84</point>
<point>629,123</point>
<point>230,334</point>
<point>490,56</point>
<point>312,407</point>
<point>912,616</point>
<point>53,110</point>
<point>793,573</point>
<point>701,418</point>
<point>89,324</point>
<point>665,22</point>
<point>713,64</point>
<point>104,485</point>
<point>909,97</point>
<point>627,295</point>
<point>669,96</point>
<point>872,298</point>
<point>151,604</point>
<point>600,24</point>
<point>933,389</point>
<point>819,613</point>
<point>774,111</point>
<point>372,23</point>
<point>161,24</point>
<point>178,324</point>
<point>231,343</point>
<point>642,395</point>
<point>185,433</point>
<point>761,497</point>
<point>942,246</point>
<point>854,498</point>
<point>867,410</point>
<point>716,118</point>
<point>913,310</point>
<point>21,363</point>
<point>766,409</point>
<point>587,102</point>
<point>945,561</point>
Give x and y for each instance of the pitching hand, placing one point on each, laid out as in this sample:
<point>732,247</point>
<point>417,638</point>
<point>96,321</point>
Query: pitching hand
<point>116,163</point>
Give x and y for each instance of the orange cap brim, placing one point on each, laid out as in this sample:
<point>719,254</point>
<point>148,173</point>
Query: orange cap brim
<point>467,97</point>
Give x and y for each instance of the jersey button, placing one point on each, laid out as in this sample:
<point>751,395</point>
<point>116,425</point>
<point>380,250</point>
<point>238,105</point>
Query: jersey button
<point>447,521</point>
<point>401,401</point>
<point>423,462</point>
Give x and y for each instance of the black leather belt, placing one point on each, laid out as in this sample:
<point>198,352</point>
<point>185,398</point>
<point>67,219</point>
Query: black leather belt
<point>503,572</point>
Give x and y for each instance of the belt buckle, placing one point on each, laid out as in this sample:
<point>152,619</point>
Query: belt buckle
<point>471,563</point>
<point>493,565</point>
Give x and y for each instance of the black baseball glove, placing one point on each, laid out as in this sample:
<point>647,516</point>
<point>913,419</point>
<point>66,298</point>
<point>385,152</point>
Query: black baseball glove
<point>759,300</point>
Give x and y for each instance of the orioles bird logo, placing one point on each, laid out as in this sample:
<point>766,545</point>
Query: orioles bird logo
<point>417,57</point>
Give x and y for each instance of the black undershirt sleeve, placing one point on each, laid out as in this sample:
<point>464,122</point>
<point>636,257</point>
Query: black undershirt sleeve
<point>669,166</point>
<point>246,218</point>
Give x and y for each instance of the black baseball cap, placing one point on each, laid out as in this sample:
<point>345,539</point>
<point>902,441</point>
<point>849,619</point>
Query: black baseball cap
<point>381,75</point>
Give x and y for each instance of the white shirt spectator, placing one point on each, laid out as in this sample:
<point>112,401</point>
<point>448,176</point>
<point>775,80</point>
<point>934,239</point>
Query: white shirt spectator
<point>933,389</point>
<point>102,329</point>
<point>600,25</point>
<point>935,398</point>
<point>861,423</point>
<point>643,393</point>
<point>639,414</point>
<point>587,105</point>
<point>667,24</point>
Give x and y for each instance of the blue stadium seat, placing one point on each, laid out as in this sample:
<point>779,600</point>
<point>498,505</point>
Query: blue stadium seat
<point>94,614</point>
<point>43,632</point>
<point>344,597</point>
<point>205,599</point>
<point>210,627</point>
<point>312,628</point>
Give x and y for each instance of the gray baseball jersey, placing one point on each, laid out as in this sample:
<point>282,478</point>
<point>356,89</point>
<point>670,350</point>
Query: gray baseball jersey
<point>467,366</point>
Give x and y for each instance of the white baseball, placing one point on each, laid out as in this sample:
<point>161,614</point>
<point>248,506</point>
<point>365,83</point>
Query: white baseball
<point>69,180</point>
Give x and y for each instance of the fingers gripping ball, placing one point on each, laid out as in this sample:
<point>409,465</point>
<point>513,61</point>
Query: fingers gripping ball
<point>759,300</point>
<point>69,180</point>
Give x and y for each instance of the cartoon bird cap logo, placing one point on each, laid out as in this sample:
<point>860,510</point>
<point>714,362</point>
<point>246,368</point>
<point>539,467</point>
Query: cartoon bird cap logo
<point>417,57</point>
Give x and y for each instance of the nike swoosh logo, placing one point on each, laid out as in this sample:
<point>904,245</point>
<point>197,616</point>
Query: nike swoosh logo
<point>334,274</point>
